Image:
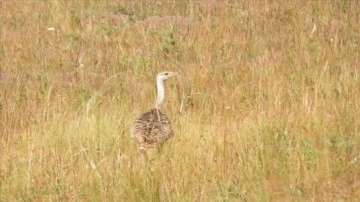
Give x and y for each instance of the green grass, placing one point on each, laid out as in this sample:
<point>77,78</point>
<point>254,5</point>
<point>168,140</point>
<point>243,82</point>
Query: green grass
<point>265,107</point>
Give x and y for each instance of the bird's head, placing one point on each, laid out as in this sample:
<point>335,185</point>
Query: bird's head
<point>165,75</point>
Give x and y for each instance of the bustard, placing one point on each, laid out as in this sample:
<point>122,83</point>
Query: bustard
<point>153,128</point>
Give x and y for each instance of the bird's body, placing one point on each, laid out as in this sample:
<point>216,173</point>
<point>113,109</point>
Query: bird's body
<point>153,128</point>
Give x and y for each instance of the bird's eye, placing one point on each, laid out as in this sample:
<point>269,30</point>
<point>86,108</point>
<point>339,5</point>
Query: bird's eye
<point>166,73</point>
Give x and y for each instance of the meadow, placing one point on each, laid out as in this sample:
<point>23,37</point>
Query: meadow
<point>265,108</point>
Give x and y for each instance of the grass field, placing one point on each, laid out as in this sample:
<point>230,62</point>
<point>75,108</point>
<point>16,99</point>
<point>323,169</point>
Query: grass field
<point>266,106</point>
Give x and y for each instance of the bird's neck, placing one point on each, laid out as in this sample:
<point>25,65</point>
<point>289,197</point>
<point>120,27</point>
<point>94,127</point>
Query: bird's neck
<point>160,93</point>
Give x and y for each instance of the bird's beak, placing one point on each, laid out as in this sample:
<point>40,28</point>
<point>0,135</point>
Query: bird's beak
<point>175,73</point>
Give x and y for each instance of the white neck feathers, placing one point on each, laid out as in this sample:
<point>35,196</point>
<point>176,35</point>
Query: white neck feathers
<point>160,92</point>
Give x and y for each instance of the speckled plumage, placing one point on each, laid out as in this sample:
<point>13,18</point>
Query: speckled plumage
<point>150,131</point>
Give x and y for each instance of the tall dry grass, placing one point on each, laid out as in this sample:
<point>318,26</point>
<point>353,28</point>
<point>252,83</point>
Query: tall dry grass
<point>266,107</point>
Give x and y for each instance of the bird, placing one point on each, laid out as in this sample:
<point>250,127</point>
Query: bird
<point>152,128</point>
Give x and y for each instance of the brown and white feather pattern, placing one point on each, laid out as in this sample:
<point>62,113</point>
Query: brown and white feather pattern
<point>151,128</point>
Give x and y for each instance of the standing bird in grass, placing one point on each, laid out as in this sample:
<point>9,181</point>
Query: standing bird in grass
<point>153,128</point>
